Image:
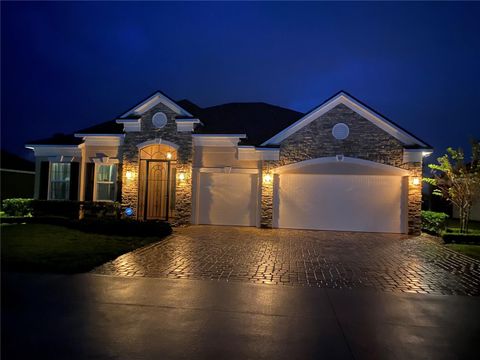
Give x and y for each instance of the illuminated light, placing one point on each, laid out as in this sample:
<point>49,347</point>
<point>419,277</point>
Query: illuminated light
<point>181,176</point>
<point>129,175</point>
<point>426,153</point>
<point>416,181</point>
<point>129,211</point>
<point>267,178</point>
<point>169,155</point>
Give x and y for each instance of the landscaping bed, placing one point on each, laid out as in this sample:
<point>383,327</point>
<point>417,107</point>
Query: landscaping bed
<point>60,249</point>
<point>439,224</point>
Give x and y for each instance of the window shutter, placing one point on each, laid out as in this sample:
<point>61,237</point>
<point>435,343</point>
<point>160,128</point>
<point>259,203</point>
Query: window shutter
<point>43,190</point>
<point>89,181</point>
<point>74,167</point>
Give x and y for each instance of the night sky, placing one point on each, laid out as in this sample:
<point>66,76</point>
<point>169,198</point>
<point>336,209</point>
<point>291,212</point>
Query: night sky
<point>70,65</point>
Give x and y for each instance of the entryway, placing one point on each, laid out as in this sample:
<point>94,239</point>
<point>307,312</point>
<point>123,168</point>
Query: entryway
<point>157,182</point>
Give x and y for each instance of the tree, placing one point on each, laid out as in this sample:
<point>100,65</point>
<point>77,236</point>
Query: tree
<point>457,181</point>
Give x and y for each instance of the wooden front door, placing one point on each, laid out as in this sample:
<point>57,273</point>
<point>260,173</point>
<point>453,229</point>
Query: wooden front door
<point>156,189</point>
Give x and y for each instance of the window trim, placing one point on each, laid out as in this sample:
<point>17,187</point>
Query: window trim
<point>49,192</point>
<point>95,185</point>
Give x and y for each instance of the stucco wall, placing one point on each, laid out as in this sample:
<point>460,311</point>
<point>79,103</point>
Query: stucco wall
<point>365,141</point>
<point>216,156</point>
<point>184,161</point>
<point>93,151</point>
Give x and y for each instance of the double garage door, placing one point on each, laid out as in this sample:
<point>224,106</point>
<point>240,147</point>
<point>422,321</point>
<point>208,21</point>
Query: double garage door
<point>339,202</point>
<point>368,203</point>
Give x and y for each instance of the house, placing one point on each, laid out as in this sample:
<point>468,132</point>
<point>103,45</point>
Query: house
<point>17,176</point>
<point>341,166</point>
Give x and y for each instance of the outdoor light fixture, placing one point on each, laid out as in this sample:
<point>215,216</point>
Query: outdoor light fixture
<point>129,175</point>
<point>267,178</point>
<point>416,181</point>
<point>169,155</point>
<point>181,176</point>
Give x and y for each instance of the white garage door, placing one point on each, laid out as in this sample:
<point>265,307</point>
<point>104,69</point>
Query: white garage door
<point>339,202</point>
<point>227,199</point>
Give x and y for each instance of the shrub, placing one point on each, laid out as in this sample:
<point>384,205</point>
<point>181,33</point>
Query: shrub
<point>96,209</point>
<point>63,208</point>
<point>17,207</point>
<point>459,238</point>
<point>433,222</point>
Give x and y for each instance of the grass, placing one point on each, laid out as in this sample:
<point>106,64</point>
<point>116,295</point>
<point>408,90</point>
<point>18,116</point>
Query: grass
<point>466,249</point>
<point>471,250</point>
<point>57,249</point>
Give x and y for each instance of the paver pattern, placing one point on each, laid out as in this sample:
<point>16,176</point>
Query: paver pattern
<point>388,262</point>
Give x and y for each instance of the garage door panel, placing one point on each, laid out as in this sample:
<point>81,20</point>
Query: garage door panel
<point>227,199</point>
<point>339,202</point>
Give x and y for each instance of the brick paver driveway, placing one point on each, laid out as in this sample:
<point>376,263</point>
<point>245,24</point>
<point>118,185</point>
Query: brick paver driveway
<point>304,258</point>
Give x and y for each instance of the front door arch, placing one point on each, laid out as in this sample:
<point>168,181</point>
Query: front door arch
<point>157,174</point>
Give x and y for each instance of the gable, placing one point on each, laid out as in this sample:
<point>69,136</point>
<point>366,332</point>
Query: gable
<point>154,100</point>
<point>356,106</point>
<point>365,140</point>
<point>163,108</point>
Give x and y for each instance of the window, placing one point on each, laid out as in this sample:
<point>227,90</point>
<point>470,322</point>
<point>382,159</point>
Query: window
<point>340,131</point>
<point>59,181</point>
<point>106,178</point>
<point>159,120</point>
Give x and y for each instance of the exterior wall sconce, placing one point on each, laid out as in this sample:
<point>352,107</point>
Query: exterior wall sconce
<point>129,175</point>
<point>181,176</point>
<point>267,178</point>
<point>169,155</point>
<point>416,181</point>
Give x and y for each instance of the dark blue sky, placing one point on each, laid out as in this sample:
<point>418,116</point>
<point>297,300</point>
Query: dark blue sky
<point>69,65</point>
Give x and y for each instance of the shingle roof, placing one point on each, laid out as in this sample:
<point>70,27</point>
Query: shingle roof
<point>58,139</point>
<point>107,127</point>
<point>259,121</point>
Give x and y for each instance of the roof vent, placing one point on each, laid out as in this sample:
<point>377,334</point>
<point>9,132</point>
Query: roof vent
<point>340,131</point>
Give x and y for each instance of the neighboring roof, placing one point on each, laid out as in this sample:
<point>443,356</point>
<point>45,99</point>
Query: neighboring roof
<point>14,162</point>
<point>360,108</point>
<point>58,139</point>
<point>258,120</point>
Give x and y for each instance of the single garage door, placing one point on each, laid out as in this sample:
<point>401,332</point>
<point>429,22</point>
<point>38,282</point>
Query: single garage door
<point>340,202</point>
<point>227,199</point>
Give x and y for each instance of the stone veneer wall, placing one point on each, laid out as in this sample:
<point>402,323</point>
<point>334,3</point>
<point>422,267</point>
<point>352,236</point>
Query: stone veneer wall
<point>183,195</point>
<point>365,141</point>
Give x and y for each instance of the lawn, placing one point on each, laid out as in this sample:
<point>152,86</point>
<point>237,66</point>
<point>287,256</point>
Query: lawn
<point>472,250</point>
<point>57,249</point>
<point>466,249</point>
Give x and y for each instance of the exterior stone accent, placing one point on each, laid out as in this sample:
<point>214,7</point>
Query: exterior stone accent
<point>266,211</point>
<point>184,161</point>
<point>365,141</point>
<point>414,198</point>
